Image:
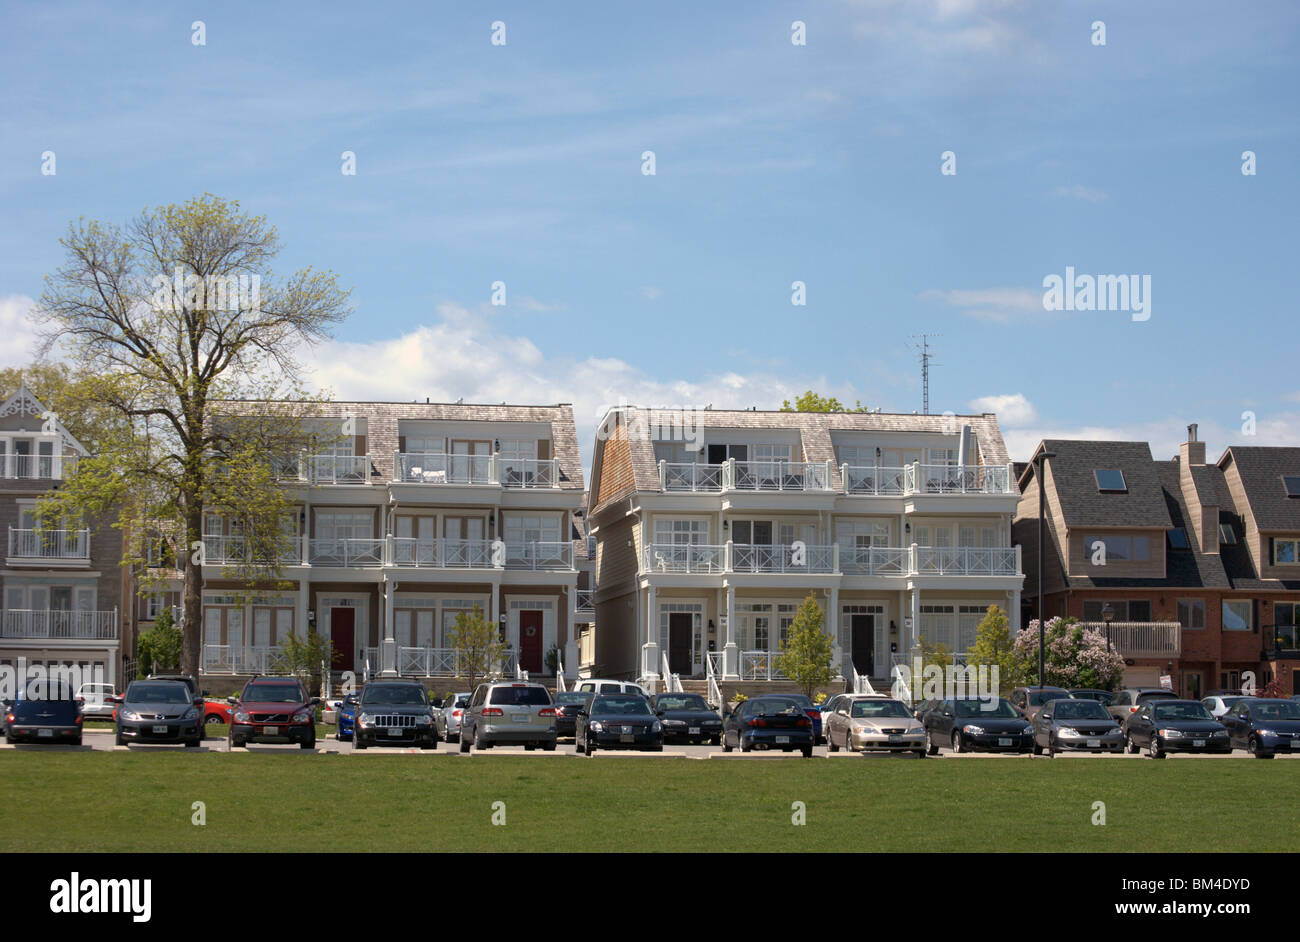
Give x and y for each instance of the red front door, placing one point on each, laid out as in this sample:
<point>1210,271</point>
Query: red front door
<point>530,641</point>
<point>343,622</point>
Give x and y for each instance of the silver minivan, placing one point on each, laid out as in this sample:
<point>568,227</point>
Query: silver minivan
<point>513,713</point>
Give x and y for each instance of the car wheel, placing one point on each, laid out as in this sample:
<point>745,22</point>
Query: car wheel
<point>431,744</point>
<point>118,739</point>
<point>1256,750</point>
<point>716,740</point>
<point>549,746</point>
<point>591,747</point>
<point>1153,748</point>
<point>920,753</point>
<point>930,748</point>
<point>1035,748</point>
<point>958,744</point>
<point>1051,747</point>
<point>464,743</point>
<point>478,739</point>
<point>77,741</point>
<point>807,752</point>
<point>211,718</point>
<point>830,743</point>
<point>448,737</point>
<point>308,743</point>
<point>529,746</point>
<point>360,743</point>
<point>726,746</point>
<point>1129,745</point>
<point>740,741</point>
<point>191,744</point>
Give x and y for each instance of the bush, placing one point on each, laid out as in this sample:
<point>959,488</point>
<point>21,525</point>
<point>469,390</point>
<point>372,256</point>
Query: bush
<point>1074,656</point>
<point>159,648</point>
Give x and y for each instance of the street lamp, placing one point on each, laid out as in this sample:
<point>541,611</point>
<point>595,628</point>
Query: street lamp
<point>1039,459</point>
<point>1107,616</point>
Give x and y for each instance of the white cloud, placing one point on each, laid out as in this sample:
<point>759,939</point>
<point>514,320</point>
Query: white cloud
<point>651,293</point>
<point>1001,305</point>
<point>18,337</point>
<point>1013,409</point>
<point>1081,192</point>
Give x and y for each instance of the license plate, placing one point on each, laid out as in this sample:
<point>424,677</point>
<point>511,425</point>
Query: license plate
<point>895,738</point>
<point>394,731</point>
<point>270,731</point>
<point>693,730</point>
<point>627,737</point>
<point>45,734</point>
<point>1198,743</point>
<point>1094,743</point>
<point>520,717</point>
<point>782,739</point>
<point>1004,742</point>
<point>160,729</point>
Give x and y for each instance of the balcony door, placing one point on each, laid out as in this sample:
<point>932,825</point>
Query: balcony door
<point>415,539</point>
<point>862,642</point>
<point>681,627</point>
<point>469,461</point>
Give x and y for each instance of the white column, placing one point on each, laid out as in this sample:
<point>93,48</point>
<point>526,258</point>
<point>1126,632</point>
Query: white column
<point>730,652</point>
<point>300,626</point>
<point>1013,616</point>
<point>388,648</point>
<point>650,636</point>
<point>916,620</point>
<point>833,624</point>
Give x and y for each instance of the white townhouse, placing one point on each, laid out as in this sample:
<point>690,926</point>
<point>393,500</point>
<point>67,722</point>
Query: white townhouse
<point>408,514</point>
<point>900,525</point>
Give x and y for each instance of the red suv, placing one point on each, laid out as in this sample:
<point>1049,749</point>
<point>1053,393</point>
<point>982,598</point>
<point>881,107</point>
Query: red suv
<point>273,709</point>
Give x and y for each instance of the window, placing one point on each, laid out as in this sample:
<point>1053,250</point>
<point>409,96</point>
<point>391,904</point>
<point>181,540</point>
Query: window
<point>1236,615</point>
<point>1110,479</point>
<point>1191,613</point>
<point>1292,484</point>
<point>1226,534</point>
<point>681,531</point>
<point>1178,538</point>
<point>1286,552</point>
<point>1138,610</point>
<point>1119,547</point>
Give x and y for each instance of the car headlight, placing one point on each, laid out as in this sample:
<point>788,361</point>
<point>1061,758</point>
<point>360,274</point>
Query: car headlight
<point>595,726</point>
<point>973,730</point>
<point>365,719</point>
<point>1224,732</point>
<point>424,721</point>
<point>1067,731</point>
<point>1262,732</point>
<point>656,727</point>
<point>191,714</point>
<point>1171,733</point>
<point>916,731</point>
<point>1027,731</point>
<point>130,715</point>
<point>242,718</point>
<point>674,723</point>
<point>302,717</point>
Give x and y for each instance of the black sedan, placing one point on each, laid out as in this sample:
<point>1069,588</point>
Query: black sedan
<point>45,711</point>
<point>159,711</point>
<point>687,718</point>
<point>618,721</point>
<point>394,713</point>
<point>567,705</point>
<point>1166,726</point>
<point>1076,725</point>
<point>977,725</point>
<point>769,722</point>
<point>1264,727</point>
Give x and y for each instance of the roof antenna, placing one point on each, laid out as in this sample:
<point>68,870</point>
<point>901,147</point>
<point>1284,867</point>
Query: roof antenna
<point>924,355</point>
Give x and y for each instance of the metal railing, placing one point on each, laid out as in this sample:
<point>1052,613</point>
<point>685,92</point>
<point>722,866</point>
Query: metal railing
<point>1142,639</point>
<point>690,476</point>
<point>241,659</point>
<point>672,681</point>
<point>347,552</point>
<point>862,683</point>
<point>966,560</point>
<point>37,467</point>
<point>439,468</point>
<point>55,624</point>
<point>334,469</point>
<point>777,475</point>
<point>427,662</point>
<point>835,558</point>
<point>441,553</point>
<point>683,557</point>
<point>875,560</point>
<point>559,672</point>
<point>868,479</point>
<point>759,665</point>
<point>528,472</point>
<point>758,557</point>
<point>539,555</point>
<point>959,479</point>
<point>711,675</point>
<point>221,550</point>
<point>583,601</point>
<point>49,544</point>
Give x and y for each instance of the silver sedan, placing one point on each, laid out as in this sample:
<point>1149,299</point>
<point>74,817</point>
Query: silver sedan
<point>448,718</point>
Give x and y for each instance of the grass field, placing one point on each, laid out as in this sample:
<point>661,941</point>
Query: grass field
<point>142,802</point>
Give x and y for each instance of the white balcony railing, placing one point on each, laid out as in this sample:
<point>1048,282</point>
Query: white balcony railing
<point>869,479</point>
<point>683,557</point>
<point>528,472</point>
<point>965,560</point>
<point>442,554</point>
<point>428,662</point>
<point>875,560</point>
<point>958,479</point>
<point>335,469</point>
<point>439,468</point>
<point>220,550</point>
<point>583,601</point>
<point>241,659</point>
<point>759,665</point>
<point>347,552</point>
<point>37,467</point>
<point>690,476</point>
<point>777,475</point>
<point>1142,639</point>
<point>69,545</point>
<point>46,623</point>
<point>539,555</point>
<point>757,557</point>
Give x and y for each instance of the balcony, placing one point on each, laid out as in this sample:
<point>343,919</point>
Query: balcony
<point>49,547</point>
<point>334,469</point>
<point>548,556</point>
<point>875,560</point>
<point>37,467</point>
<point>241,659</point>
<point>1142,639</point>
<point>884,482</point>
<point>683,558</point>
<point>776,476</point>
<point>958,479</point>
<point>1281,642</point>
<point>966,561</point>
<point>442,554</point>
<point>36,624</point>
<point>221,550</point>
<point>584,603</point>
<point>463,470</point>
<point>528,472</point>
<point>347,553</point>
<point>690,477</point>
<point>756,557</point>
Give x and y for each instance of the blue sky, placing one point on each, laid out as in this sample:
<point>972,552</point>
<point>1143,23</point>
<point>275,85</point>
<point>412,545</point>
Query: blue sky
<point>775,163</point>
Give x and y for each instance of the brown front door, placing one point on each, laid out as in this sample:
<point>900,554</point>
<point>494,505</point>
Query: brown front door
<point>530,641</point>
<point>343,623</point>
<point>679,642</point>
<point>863,643</point>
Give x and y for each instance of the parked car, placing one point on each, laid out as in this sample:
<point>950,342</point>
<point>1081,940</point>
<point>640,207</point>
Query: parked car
<point>687,717</point>
<point>43,711</point>
<point>273,709</point>
<point>449,716</point>
<point>599,685</point>
<point>772,721</point>
<point>1104,697</point>
<point>346,721</point>
<point>873,723</point>
<point>1264,727</point>
<point>923,707</point>
<point>159,711</point>
<point>828,706</point>
<point>567,705</point>
<point>189,680</point>
<point>1130,699</point>
<point>394,713</point>
<point>618,721</point>
<point>814,713</point>
<point>1076,725</point>
<point>97,700</point>
<point>1165,726</point>
<point>977,725</point>
<point>1029,700</point>
<point>509,714</point>
<point>1219,704</point>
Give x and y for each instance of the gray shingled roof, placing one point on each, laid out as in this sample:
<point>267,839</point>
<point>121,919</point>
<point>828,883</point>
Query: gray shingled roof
<point>1261,470</point>
<point>382,423</point>
<point>1083,505</point>
<point>814,431</point>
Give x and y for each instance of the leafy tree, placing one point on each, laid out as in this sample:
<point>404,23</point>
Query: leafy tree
<point>812,402</point>
<point>806,653</point>
<point>65,394</point>
<point>994,647</point>
<point>478,645</point>
<point>159,648</point>
<point>157,320</point>
<point>1074,656</point>
<point>304,658</point>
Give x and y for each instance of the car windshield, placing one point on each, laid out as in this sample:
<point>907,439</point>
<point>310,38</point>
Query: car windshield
<point>800,698</point>
<point>863,709</point>
<point>1276,710</point>
<point>678,702</point>
<point>622,706</point>
<point>1039,697</point>
<point>1001,709</point>
<point>157,693</point>
<point>1156,695</point>
<point>273,693</point>
<point>777,706</point>
<point>571,697</point>
<point>520,695</point>
<point>393,695</point>
<point>1080,710</point>
<point>1180,711</point>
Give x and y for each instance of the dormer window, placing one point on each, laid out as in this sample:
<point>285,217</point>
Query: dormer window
<point>1110,480</point>
<point>1178,539</point>
<point>1226,534</point>
<point>1292,484</point>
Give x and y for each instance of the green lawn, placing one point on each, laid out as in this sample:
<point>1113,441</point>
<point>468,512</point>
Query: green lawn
<point>142,802</point>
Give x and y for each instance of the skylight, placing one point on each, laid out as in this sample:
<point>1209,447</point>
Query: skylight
<point>1292,484</point>
<point>1226,534</point>
<point>1178,538</point>
<point>1110,479</point>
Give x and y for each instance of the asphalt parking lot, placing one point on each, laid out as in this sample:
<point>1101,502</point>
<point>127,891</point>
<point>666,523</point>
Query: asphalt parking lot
<point>102,741</point>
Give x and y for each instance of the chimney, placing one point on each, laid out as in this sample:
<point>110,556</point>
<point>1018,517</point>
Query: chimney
<point>1202,508</point>
<point>1191,452</point>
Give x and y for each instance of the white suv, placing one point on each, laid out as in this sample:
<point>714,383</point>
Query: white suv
<point>609,686</point>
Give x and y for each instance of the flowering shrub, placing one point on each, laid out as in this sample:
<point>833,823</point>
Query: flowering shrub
<point>1074,656</point>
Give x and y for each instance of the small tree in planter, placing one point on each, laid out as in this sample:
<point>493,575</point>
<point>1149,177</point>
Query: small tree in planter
<point>478,645</point>
<point>806,652</point>
<point>994,647</point>
<point>552,660</point>
<point>159,648</point>
<point>304,657</point>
